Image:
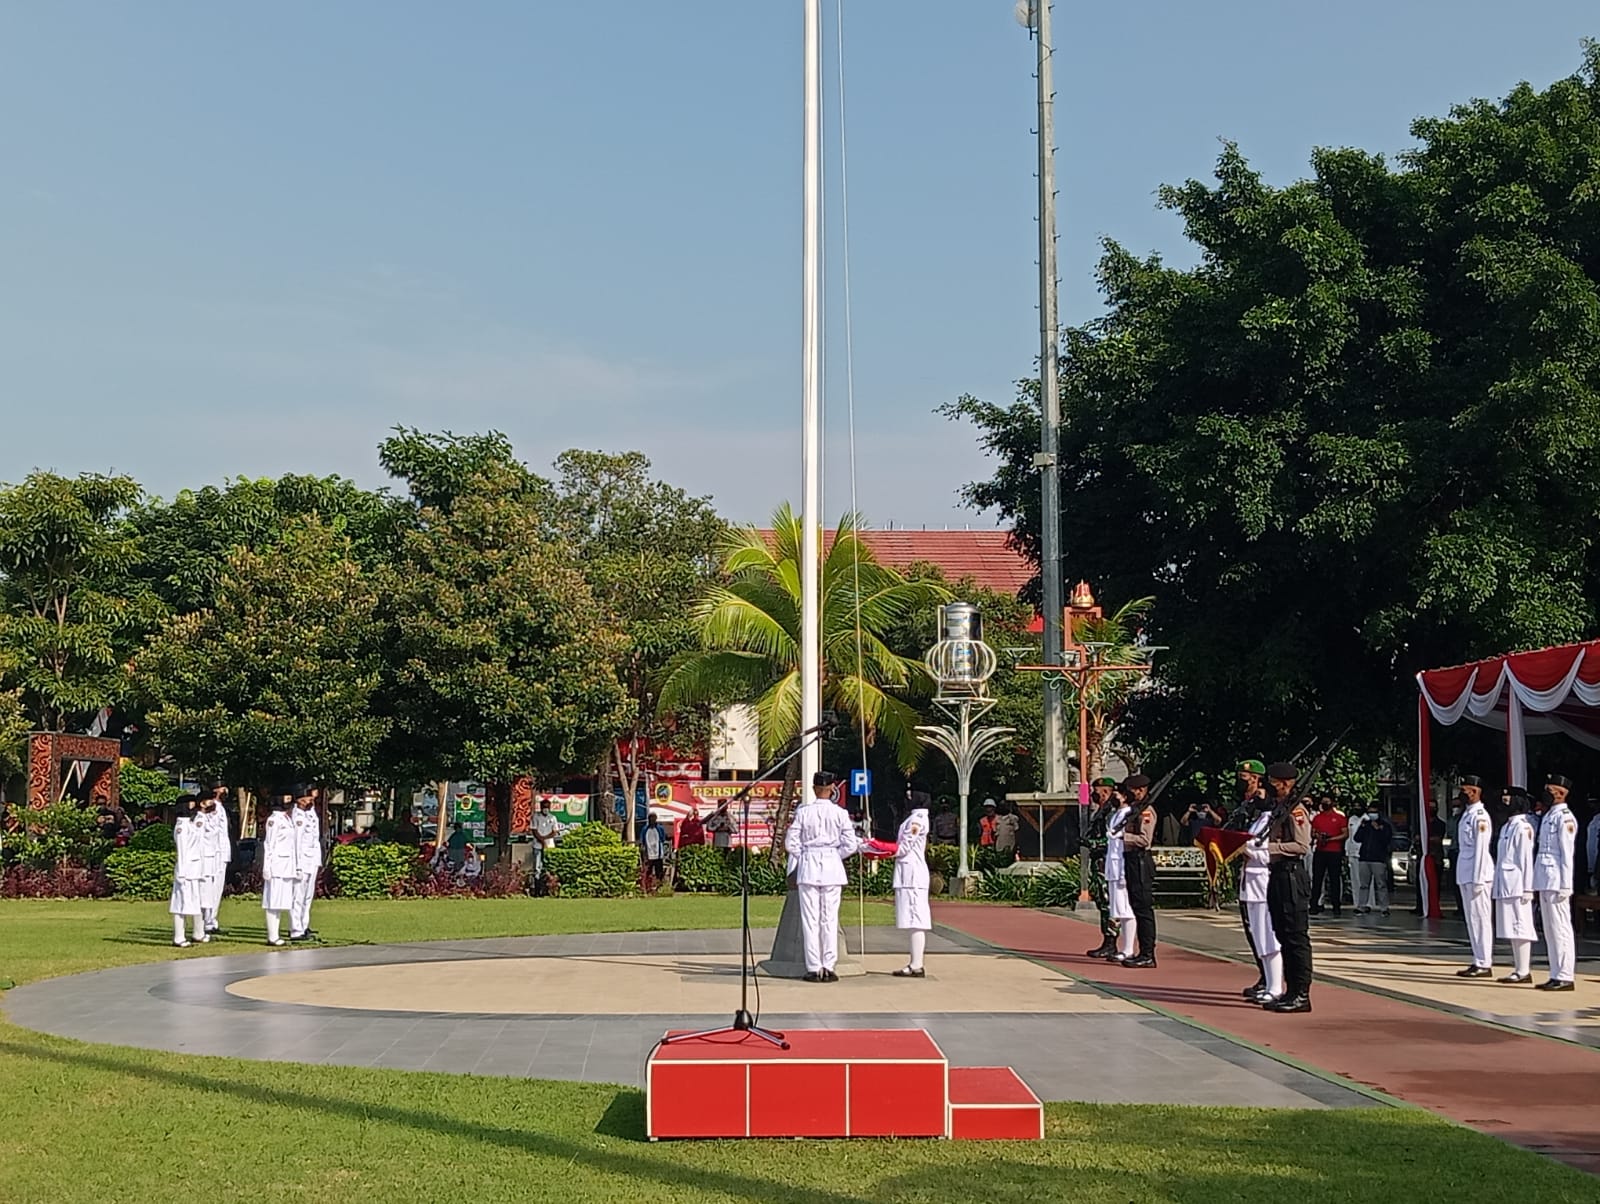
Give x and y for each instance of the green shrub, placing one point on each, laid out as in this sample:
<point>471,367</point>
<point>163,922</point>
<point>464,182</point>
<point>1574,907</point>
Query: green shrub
<point>141,873</point>
<point>597,869</point>
<point>589,835</point>
<point>368,869</point>
<point>944,860</point>
<point>143,787</point>
<point>1003,888</point>
<point>157,838</point>
<point>64,833</point>
<point>876,877</point>
<point>765,878</point>
<point>1058,888</point>
<point>703,867</point>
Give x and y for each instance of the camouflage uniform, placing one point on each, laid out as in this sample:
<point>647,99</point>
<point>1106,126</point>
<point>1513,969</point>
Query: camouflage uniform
<point>1095,840</point>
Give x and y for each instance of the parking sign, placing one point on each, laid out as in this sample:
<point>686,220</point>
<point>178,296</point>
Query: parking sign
<point>860,782</point>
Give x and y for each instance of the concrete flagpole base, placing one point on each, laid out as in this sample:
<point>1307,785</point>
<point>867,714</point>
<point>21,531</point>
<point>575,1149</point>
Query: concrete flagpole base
<point>788,957</point>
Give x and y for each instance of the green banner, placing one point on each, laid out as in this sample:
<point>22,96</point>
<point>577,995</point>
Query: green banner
<point>469,813</point>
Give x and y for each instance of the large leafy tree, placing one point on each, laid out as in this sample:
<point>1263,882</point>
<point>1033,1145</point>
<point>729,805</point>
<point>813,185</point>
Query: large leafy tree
<point>502,660</point>
<point>647,549</point>
<point>13,736</point>
<point>1358,438</point>
<point>185,543</point>
<point>70,614</point>
<point>277,680</point>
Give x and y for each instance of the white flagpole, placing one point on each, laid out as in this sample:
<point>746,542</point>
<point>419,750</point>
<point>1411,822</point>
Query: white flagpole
<point>811,395</point>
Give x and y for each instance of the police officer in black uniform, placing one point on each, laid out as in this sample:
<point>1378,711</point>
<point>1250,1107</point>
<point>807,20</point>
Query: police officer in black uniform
<point>1288,838</point>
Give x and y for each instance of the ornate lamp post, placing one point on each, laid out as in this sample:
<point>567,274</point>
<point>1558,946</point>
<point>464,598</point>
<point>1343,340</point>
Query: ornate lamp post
<point>961,665</point>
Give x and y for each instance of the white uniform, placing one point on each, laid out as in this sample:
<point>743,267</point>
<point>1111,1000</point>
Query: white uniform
<point>1116,872</point>
<point>1475,864</point>
<point>911,909</point>
<point>1253,894</point>
<point>277,870</point>
<point>1552,879</point>
<point>188,878</point>
<point>307,861</point>
<point>818,841</point>
<point>218,854</point>
<point>1513,891</point>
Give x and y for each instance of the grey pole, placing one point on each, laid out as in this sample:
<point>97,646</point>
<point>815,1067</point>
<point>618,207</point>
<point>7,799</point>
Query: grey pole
<point>1055,748</point>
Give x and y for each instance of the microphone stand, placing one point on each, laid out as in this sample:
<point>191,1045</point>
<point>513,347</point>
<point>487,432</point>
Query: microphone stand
<point>742,1021</point>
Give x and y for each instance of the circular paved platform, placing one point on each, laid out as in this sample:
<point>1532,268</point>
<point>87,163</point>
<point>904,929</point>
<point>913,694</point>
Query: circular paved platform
<point>589,1007</point>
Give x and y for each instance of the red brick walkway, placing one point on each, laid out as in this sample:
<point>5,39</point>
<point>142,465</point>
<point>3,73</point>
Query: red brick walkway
<point>1534,1091</point>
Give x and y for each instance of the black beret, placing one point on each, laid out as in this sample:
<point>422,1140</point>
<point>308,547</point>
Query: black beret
<point>1556,779</point>
<point>1283,771</point>
<point>918,798</point>
<point>1472,779</point>
<point>1134,781</point>
<point>823,778</point>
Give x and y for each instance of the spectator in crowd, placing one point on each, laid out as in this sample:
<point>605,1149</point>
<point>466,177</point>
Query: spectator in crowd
<point>721,824</point>
<point>691,830</point>
<point>1376,840</point>
<point>653,840</point>
<point>546,831</point>
<point>986,832</point>
<point>1198,817</point>
<point>1007,827</point>
<point>471,864</point>
<point>1329,830</point>
<point>946,824</point>
<point>457,844</point>
<point>406,830</point>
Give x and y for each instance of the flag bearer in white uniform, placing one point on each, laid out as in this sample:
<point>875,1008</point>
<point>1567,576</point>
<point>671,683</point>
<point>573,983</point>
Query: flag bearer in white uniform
<point>188,875</point>
<point>1513,888</point>
<point>1117,883</point>
<point>307,861</point>
<point>1552,879</point>
<point>277,867</point>
<point>911,911</point>
<point>818,841</point>
<point>1475,865</point>
<point>1254,876</point>
<point>218,853</point>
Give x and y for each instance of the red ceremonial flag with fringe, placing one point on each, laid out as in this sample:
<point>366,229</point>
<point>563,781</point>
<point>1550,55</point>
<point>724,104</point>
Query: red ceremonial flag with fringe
<point>1220,845</point>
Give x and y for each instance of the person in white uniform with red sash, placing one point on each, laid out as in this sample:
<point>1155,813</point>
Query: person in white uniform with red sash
<point>1513,888</point>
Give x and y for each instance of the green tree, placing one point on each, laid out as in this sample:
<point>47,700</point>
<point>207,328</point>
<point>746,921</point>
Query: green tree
<point>749,628</point>
<point>502,660</point>
<point>646,549</point>
<point>1358,438</point>
<point>69,613</point>
<point>1112,639</point>
<point>277,681</point>
<point>14,728</point>
<point>185,543</point>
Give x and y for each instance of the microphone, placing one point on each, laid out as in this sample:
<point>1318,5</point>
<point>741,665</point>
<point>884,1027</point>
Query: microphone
<point>828,721</point>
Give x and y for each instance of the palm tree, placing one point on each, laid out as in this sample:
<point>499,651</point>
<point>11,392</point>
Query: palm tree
<point>749,626</point>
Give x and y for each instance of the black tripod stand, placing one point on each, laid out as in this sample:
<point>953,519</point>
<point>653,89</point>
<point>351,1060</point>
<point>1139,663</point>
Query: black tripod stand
<point>743,1022</point>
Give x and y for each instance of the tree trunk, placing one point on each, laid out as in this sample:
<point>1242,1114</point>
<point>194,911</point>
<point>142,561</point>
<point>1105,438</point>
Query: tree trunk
<point>780,817</point>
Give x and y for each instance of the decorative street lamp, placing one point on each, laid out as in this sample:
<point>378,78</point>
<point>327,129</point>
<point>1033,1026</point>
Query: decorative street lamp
<point>961,665</point>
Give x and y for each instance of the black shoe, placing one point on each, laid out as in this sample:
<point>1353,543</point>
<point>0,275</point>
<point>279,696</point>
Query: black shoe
<point>908,972</point>
<point>1517,979</point>
<point>1105,950</point>
<point>1263,997</point>
<point>1255,989</point>
<point>1314,911</point>
<point>1555,984</point>
<point>299,940</point>
<point>1144,961</point>
<point>1337,914</point>
<point>1475,972</point>
<point>1290,1004</point>
<point>829,976</point>
<point>813,976</point>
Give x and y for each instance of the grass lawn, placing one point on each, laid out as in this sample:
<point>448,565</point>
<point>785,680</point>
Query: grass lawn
<point>95,1123</point>
<point>45,937</point>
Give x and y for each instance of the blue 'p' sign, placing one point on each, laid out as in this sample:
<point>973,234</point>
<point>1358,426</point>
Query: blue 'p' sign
<point>860,782</point>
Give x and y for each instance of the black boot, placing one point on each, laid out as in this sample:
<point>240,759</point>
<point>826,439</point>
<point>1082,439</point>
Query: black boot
<point>1299,1001</point>
<point>1255,989</point>
<point>1106,949</point>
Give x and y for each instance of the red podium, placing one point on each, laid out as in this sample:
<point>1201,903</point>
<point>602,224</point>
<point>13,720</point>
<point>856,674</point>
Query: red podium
<point>831,1083</point>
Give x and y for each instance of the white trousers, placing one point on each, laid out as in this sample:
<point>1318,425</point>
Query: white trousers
<point>274,931</point>
<point>177,930</point>
<point>819,926</point>
<point>919,944</point>
<point>1478,905</point>
<point>1560,951</point>
<point>1267,947</point>
<point>305,887</point>
<point>1127,937</point>
<point>1522,957</point>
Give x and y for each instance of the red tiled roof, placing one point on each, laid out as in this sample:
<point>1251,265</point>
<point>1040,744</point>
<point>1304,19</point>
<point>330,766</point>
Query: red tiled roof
<point>984,556</point>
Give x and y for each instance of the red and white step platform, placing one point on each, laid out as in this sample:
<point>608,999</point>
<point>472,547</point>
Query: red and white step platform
<point>888,1082</point>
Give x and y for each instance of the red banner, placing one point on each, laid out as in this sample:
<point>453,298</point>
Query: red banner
<point>1220,845</point>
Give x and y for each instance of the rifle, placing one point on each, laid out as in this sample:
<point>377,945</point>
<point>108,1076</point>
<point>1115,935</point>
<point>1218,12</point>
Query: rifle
<point>1316,766</point>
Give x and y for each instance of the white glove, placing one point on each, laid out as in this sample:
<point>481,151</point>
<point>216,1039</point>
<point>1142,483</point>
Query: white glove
<point>1563,896</point>
<point>1528,898</point>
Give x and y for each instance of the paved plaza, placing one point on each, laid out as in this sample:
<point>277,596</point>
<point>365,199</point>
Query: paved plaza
<point>589,1008</point>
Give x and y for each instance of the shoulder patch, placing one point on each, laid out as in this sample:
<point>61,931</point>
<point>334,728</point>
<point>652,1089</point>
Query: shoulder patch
<point>1298,813</point>
<point>1483,826</point>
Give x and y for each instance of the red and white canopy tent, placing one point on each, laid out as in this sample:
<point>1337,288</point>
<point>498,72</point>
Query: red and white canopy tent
<point>1550,690</point>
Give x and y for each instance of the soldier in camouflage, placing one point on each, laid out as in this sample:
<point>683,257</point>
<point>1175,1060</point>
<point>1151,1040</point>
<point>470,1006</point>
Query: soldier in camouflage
<point>1103,804</point>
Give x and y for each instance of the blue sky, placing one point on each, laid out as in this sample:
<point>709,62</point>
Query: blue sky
<point>248,239</point>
